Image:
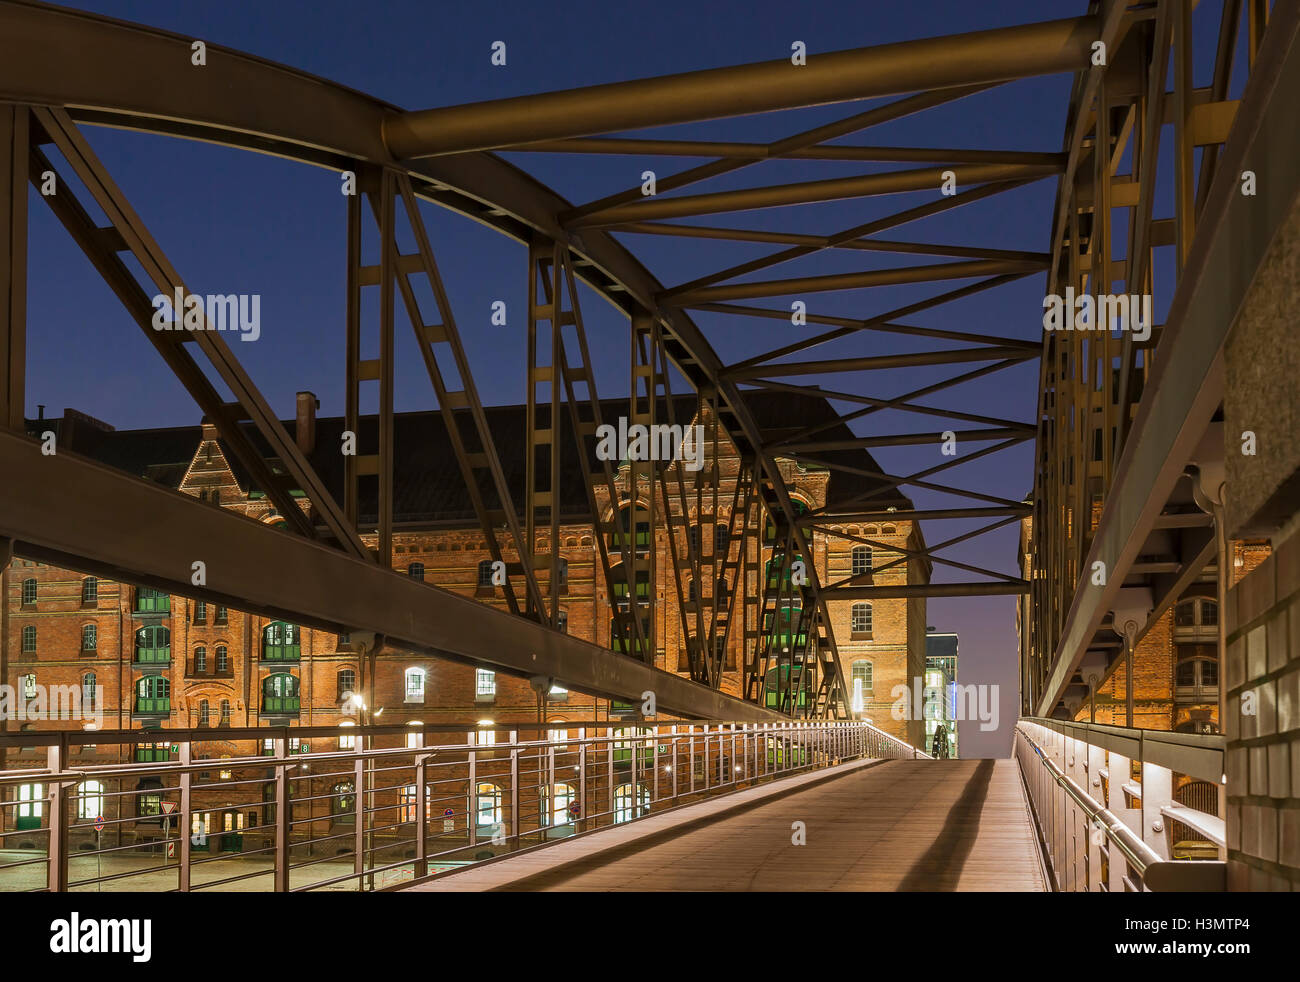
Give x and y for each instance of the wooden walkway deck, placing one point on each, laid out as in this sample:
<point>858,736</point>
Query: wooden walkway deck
<point>934,825</point>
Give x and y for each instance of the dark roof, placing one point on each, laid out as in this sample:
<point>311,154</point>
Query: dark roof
<point>429,487</point>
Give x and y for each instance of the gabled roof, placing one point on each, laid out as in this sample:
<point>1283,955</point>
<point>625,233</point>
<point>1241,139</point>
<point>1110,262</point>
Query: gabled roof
<point>428,486</point>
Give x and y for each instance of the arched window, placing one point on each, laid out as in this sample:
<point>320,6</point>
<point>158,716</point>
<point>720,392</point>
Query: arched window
<point>153,645</point>
<point>28,685</point>
<point>723,590</point>
<point>29,639</point>
<point>721,539</point>
<point>90,800</point>
<point>29,592</point>
<point>151,601</point>
<point>200,660</point>
<point>280,693</point>
<point>563,576</point>
<point>89,687</point>
<point>690,590</point>
<point>623,531</point>
<point>89,592</point>
<point>200,611</point>
<point>559,735</point>
<point>693,539</point>
<point>415,685</point>
<point>89,637</point>
<point>862,671</point>
<point>415,571</point>
<point>559,801</point>
<point>888,530</point>
<point>860,619</point>
<point>861,560</point>
<point>627,807</point>
<point>406,810</point>
<point>223,659</point>
<point>204,713</point>
<point>485,574</point>
<point>221,615</point>
<point>153,695</point>
<point>281,641</point>
<point>347,741</point>
<point>347,680</point>
<point>225,712</point>
<point>487,805</point>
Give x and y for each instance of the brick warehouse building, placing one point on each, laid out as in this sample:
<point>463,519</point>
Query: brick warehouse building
<point>153,662</point>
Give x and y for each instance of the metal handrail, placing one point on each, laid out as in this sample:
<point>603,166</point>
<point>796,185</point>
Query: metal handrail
<point>1061,804</point>
<point>381,803</point>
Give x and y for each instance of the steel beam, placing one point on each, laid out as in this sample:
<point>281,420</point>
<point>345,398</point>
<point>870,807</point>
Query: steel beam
<point>810,192</point>
<point>15,128</point>
<point>907,591</point>
<point>78,514</point>
<point>1234,233</point>
<point>892,69</point>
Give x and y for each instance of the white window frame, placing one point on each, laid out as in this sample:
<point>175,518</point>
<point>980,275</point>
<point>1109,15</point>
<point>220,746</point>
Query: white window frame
<point>413,693</point>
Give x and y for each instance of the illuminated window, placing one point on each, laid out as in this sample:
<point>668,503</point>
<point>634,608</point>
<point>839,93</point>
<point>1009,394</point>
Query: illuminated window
<point>348,742</point>
<point>415,685</point>
<point>487,804</point>
<point>485,682</point>
<point>90,799</point>
<point>626,807</point>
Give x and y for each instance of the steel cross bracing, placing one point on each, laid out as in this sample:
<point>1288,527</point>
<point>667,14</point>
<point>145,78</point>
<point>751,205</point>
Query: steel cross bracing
<point>1126,425</point>
<point>437,155</point>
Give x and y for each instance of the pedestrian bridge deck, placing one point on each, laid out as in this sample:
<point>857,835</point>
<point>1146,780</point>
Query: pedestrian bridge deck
<point>873,825</point>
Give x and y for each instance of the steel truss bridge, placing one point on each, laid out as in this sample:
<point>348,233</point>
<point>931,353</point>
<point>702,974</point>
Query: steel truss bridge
<point>1128,463</point>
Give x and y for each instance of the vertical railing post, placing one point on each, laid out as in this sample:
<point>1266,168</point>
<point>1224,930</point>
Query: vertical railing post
<point>471,793</point>
<point>609,771</point>
<point>187,823</point>
<point>421,816</point>
<point>514,788</point>
<point>359,809</point>
<point>281,877</point>
<point>674,765</point>
<point>57,866</point>
<point>582,777</point>
<point>654,764</point>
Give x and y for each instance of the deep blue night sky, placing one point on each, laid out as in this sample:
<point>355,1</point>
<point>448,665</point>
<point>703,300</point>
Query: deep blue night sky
<point>236,222</point>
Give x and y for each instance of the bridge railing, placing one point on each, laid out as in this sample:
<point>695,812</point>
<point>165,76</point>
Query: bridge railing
<point>1122,809</point>
<point>363,807</point>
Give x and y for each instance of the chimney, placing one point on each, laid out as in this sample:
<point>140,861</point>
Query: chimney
<point>305,428</point>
